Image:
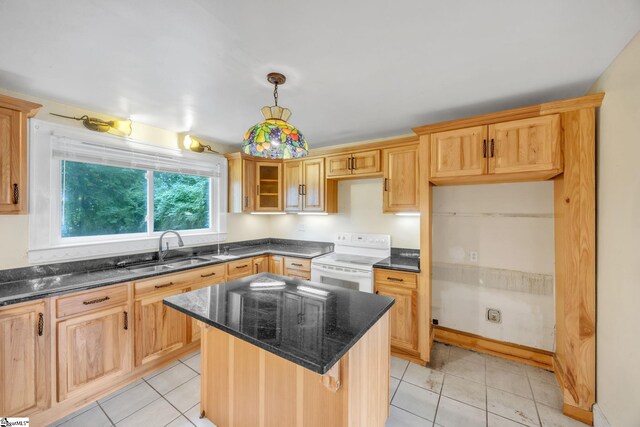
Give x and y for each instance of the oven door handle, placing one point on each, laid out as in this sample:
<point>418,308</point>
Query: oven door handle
<point>336,273</point>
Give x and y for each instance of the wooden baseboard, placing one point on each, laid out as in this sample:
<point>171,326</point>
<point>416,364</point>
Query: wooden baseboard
<point>506,350</point>
<point>579,414</point>
<point>411,358</point>
<point>558,370</point>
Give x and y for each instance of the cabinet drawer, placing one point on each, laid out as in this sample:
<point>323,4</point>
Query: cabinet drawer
<point>297,264</point>
<point>300,274</point>
<point>166,282</point>
<point>91,300</point>
<point>243,267</point>
<point>211,275</point>
<point>395,278</point>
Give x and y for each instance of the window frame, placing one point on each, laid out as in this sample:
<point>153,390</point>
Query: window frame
<point>46,243</point>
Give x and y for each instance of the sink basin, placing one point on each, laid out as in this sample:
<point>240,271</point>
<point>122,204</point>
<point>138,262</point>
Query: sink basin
<point>186,262</point>
<point>150,269</point>
<point>223,257</point>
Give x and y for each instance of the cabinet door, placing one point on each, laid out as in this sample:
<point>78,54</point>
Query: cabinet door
<point>23,360</point>
<point>460,152</point>
<point>313,185</point>
<point>403,318</point>
<point>92,350</point>
<point>268,191</point>
<point>312,325</point>
<point>291,315</point>
<point>13,156</point>
<point>528,145</point>
<point>293,186</point>
<point>248,185</point>
<point>401,180</point>
<point>276,264</point>
<point>261,264</point>
<point>159,328</point>
<point>366,162</point>
<point>339,165</point>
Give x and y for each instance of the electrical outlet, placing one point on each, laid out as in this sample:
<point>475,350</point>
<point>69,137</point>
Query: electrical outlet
<point>494,315</point>
<point>434,321</point>
<point>301,227</point>
<point>473,256</point>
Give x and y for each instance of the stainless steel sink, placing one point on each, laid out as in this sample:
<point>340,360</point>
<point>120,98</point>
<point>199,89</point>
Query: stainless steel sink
<point>223,257</point>
<point>150,269</point>
<point>186,262</point>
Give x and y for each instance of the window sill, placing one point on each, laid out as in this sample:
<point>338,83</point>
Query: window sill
<point>90,250</point>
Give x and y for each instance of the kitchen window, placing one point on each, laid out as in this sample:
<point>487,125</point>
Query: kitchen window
<point>97,195</point>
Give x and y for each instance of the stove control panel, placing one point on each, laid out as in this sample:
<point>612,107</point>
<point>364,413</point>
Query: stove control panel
<point>374,241</point>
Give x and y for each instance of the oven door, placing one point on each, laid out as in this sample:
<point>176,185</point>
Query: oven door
<point>359,280</point>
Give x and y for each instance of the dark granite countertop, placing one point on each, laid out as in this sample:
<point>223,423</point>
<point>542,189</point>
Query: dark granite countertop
<point>307,323</point>
<point>401,259</point>
<point>41,281</point>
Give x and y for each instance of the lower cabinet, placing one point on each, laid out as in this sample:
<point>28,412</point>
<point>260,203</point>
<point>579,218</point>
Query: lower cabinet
<point>297,267</point>
<point>261,264</point>
<point>24,359</point>
<point>93,348</point>
<point>276,264</point>
<point>402,287</point>
<point>159,329</point>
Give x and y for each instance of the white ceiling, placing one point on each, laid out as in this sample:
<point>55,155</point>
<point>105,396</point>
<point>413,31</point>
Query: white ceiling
<point>356,69</point>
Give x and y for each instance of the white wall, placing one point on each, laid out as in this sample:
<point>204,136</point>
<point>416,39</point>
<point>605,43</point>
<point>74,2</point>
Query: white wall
<point>510,226</point>
<point>360,211</point>
<point>618,228</point>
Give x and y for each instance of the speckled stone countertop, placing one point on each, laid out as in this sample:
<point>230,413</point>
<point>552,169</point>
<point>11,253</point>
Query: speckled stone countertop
<point>40,281</point>
<point>275,317</point>
<point>401,259</point>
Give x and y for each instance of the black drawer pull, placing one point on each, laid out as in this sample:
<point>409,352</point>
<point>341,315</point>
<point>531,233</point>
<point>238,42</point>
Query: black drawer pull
<point>296,264</point>
<point>484,148</point>
<point>166,285</point>
<point>242,266</point>
<point>96,301</point>
<point>395,279</point>
<point>208,275</point>
<point>126,320</point>
<point>40,324</point>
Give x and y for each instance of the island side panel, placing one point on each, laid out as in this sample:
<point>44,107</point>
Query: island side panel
<point>242,383</point>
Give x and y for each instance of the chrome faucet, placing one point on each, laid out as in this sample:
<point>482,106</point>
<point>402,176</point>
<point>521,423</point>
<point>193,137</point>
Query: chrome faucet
<point>161,252</point>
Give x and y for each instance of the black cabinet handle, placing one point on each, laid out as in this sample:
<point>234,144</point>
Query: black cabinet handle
<point>166,285</point>
<point>386,184</point>
<point>246,201</point>
<point>377,292</point>
<point>126,320</point>
<point>492,147</point>
<point>300,190</point>
<point>40,324</point>
<point>484,148</point>
<point>16,194</point>
<point>208,275</point>
<point>395,279</point>
<point>242,266</point>
<point>97,300</point>
<point>304,189</point>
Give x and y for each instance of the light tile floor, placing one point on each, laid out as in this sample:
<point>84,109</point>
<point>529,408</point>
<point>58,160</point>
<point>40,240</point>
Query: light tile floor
<point>460,388</point>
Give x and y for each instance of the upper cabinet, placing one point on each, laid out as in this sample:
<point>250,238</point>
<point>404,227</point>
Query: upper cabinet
<point>519,150</point>
<point>306,189</point>
<point>401,179</point>
<point>254,186</point>
<point>13,153</point>
<point>359,163</point>
<point>268,187</point>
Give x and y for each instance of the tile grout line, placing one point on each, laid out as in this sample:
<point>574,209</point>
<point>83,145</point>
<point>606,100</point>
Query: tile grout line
<point>535,403</point>
<point>486,395</point>
<point>105,413</point>
<point>167,400</point>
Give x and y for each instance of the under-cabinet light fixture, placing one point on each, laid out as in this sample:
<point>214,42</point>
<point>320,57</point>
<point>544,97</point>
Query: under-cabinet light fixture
<point>313,213</point>
<point>114,127</point>
<point>268,213</point>
<point>408,214</point>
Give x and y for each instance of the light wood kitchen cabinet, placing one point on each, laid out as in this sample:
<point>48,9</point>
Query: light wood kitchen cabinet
<point>297,267</point>
<point>160,329</point>
<point>401,180</point>
<point>527,145</point>
<point>460,152</point>
<point>260,264</point>
<point>276,264</point>
<point>240,268</point>
<point>93,349</point>
<point>248,185</point>
<point>358,163</point>
<point>24,360</point>
<point>242,185</point>
<point>402,287</point>
<point>306,189</point>
<point>13,153</point>
<point>268,187</point>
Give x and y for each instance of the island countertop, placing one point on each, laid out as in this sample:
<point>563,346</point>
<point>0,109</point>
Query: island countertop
<point>307,323</point>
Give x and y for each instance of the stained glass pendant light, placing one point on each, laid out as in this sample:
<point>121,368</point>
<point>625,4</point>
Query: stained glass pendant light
<point>275,138</point>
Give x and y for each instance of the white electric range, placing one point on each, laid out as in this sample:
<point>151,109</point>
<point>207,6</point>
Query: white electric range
<point>351,263</point>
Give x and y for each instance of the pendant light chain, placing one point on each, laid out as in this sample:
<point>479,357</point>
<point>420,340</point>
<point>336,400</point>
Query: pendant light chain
<point>275,93</point>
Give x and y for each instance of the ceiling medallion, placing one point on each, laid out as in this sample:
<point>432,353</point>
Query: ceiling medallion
<point>275,138</point>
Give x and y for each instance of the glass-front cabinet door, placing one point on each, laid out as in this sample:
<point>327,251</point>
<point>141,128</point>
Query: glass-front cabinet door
<point>268,187</point>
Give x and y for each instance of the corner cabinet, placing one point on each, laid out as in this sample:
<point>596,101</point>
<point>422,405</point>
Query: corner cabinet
<point>519,150</point>
<point>24,360</point>
<point>13,153</point>
<point>401,180</point>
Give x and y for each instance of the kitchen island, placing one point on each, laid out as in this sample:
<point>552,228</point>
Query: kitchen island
<point>279,351</point>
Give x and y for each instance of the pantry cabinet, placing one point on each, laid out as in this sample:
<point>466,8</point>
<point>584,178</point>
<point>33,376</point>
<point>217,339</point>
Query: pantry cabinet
<point>24,360</point>
<point>402,287</point>
<point>401,179</point>
<point>13,153</point>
